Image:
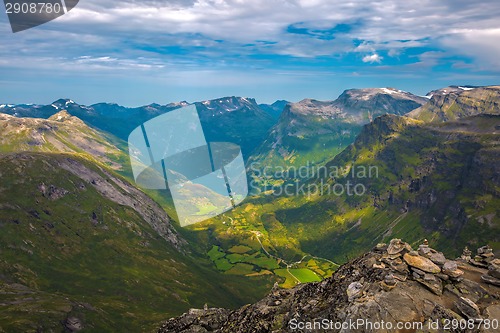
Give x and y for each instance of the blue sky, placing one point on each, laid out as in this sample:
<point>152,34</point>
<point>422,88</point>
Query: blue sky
<point>138,52</point>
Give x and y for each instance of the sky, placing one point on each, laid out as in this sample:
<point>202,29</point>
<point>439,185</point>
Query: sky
<point>136,52</point>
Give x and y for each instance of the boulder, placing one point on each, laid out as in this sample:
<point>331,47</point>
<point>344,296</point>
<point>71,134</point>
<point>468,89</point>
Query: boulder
<point>429,253</point>
<point>478,261</point>
<point>389,282</point>
<point>443,276</point>
<point>396,265</point>
<point>417,273</point>
<point>73,324</point>
<point>421,263</point>
<point>484,257</point>
<point>488,257</point>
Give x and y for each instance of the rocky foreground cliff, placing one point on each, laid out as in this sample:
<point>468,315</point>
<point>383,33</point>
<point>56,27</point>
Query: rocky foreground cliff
<point>392,288</point>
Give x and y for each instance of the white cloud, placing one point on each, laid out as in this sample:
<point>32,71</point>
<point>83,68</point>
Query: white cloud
<point>131,29</point>
<point>386,24</point>
<point>372,58</point>
<point>259,19</point>
<point>481,44</point>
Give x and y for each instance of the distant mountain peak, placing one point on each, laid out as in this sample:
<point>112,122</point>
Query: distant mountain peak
<point>63,116</point>
<point>313,130</point>
<point>371,93</point>
<point>63,102</point>
<point>275,109</point>
<point>280,101</point>
<point>227,104</point>
<point>234,100</point>
<point>362,103</point>
<point>174,104</point>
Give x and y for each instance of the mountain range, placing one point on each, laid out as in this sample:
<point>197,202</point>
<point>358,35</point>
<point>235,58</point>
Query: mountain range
<point>312,131</point>
<point>234,119</point>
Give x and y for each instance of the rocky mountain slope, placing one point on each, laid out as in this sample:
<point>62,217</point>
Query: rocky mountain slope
<point>79,242</point>
<point>450,89</point>
<point>454,102</point>
<point>312,131</point>
<point>83,248</point>
<point>394,284</point>
<point>426,179</point>
<point>360,104</point>
<point>61,132</point>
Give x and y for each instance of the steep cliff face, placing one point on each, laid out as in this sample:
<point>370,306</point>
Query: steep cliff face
<point>391,284</point>
<point>443,173</point>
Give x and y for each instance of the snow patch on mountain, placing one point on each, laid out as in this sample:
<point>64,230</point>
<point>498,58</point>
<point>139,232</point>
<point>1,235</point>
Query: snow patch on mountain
<point>388,91</point>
